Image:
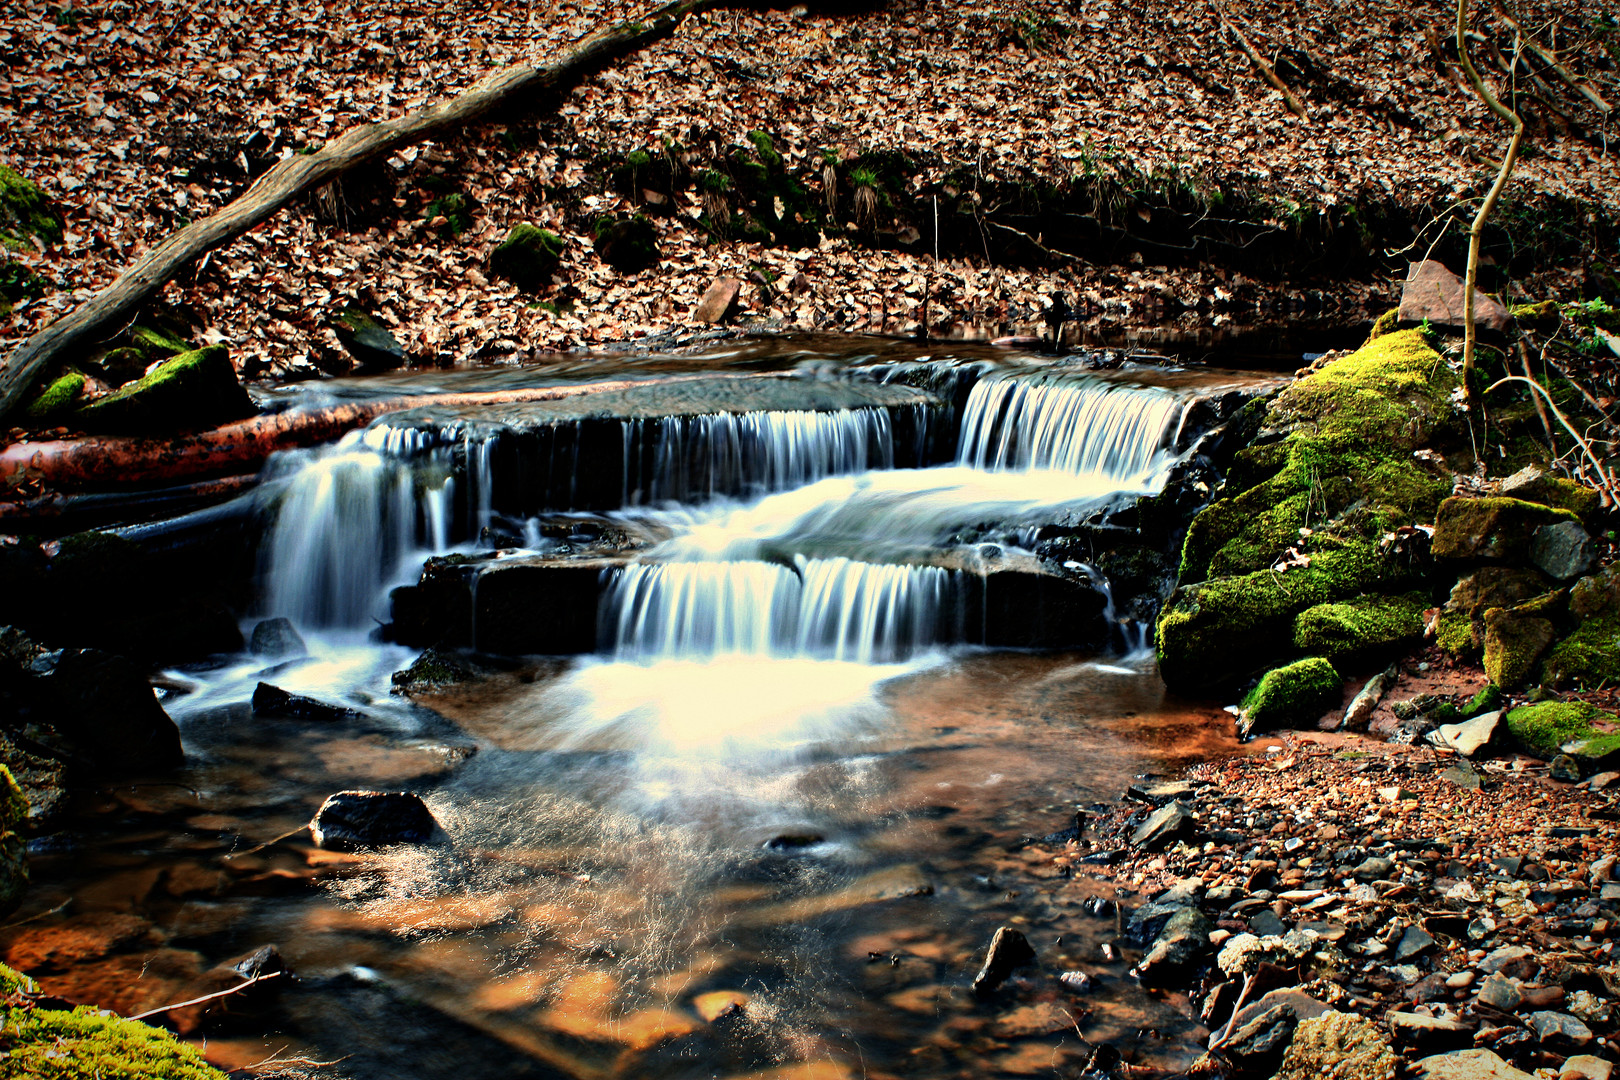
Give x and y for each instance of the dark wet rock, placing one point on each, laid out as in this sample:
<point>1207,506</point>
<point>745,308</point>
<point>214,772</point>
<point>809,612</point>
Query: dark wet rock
<point>1562,550</point>
<point>432,670</point>
<point>367,340</point>
<point>276,639</point>
<point>1148,921</point>
<point>1414,942</point>
<point>356,820</point>
<point>1433,294</point>
<point>1429,1033</point>
<point>790,843</point>
<point>1257,1042</point>
<point>1490,529</point>
<point>1182,943</point>
<point>1340,1045</point>
<point>1468,1065</point>
<point>629,245</point>
<point>1009,950</point>
<point>109,711</point>
<point>528,257</point>
<point>274,701</point>
<point>264,967</point>
<point>1560,1031</point>
<point>1165,825</point>
<point>1265,923</point>
<point>1374,868</point>
<point>191,391</point>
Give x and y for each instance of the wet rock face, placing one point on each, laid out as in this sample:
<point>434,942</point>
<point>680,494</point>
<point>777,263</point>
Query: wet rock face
<point>110,712</point>
<point>1009,950</point>
<point>276,639</point>
<point>274,701</point>
<point>359,820</point>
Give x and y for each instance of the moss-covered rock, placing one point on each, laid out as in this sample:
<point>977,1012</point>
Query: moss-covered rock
<point>1535,484</point>
<point>86,1044</point>
<point>156,343</point>
<point>528,257</point>
<point>1360,629</point>
<point>1460,635</point>
<point>13,803</point>
<point>1514,642</point>
<point>1385,324</point>
<point>26,213</point>
<point>1494,586</point>
<point>1590,656</point>
<point>629,245</point>
<point>367,340</point>
<point>1549,728</point>
<point>56,398</point>
<point>1491,529</point>
<point>191,391</point>
<point>1286,696</point>
<point>1489,699</point>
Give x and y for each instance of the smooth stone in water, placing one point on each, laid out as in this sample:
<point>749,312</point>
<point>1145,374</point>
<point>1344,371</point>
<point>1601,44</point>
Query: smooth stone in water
<point>1009,950</point>
<point>357,820</point>
<point>1165,824</point>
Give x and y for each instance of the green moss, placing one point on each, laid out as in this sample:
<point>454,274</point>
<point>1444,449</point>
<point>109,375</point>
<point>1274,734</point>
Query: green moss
<point>1295,694</point>
<point>1216,631</point>
<point>1350,429</point>
<point>25,213</point>
<point>1456,634</point>
<point>1551,727</point>
<point>765,148</point>
<point>1515,639</point>
<point>1541,312</point>
<point>17,283</point>
<point>156,344</point>
<point>86,1044</point>
<point>1488,699</point>
<point>457,211</point>
<point>528,257</point>
<point>13,804</point>
<point>193,390</point>
<point>1360,629</point>
<point>56,398</point>
<point>1385,323</point>
<point>1589,657</point>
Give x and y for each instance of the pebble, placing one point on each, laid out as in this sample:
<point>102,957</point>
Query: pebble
<point>1460,980</point>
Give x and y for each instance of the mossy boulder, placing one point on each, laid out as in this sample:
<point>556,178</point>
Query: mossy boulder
<point>1549,728</point>
<point>156,343</point>
<point>1514,643</point>
<point>1535,484</point>
<point>367,340</point>
<point>528,257</point>
<point>56,398</point>
<point>1361,629</point>
<point>1291,695</point>
<point>87,1044</point>
<point>194,390</point>
<point>1460,635</point>
<point>1494,586</point>
<point>1590,656</point>
<point>629,245</point>
<point>1493,529</point>
<point>26,213</point>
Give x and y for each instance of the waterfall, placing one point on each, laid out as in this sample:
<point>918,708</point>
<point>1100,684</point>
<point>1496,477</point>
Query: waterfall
<point>837,609</point>
<point>344,520</point>
<point>1075,424</point>
<point>756,452</point>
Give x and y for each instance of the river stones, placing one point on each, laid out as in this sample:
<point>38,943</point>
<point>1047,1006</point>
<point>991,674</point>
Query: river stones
<point>1009,950</point>
<point>359,820</point>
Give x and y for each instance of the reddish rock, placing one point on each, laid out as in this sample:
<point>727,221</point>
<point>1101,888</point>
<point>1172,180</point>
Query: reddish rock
<point>1434,293</point>
<point>718,301</point>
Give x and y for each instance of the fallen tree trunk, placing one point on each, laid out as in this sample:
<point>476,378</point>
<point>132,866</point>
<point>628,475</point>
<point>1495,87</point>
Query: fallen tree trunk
<point>113,461</point>
<point>119,302</point>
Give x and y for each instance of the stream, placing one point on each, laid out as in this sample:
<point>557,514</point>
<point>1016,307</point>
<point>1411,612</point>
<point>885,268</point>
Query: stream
<point>766,822</point>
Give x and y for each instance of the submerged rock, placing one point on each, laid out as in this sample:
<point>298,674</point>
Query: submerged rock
<point>357,820</point>
<point>1009,950</point>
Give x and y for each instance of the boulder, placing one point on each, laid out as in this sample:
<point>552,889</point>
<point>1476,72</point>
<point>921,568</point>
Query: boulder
<point>1588,656</point>
<point>109,711</point>
<point>717,301</point>
<point>1337,1044</point>
<point>1494,586</point>
<point>1469,737</point>
<point>359,820</point>
<point>1168,823</point>
<point>629,245</point>
<point>274,701</point>
<point>277,639</point>
<point>1515,639</point>
<point>1354,631</point>
<point>367,340</point>
<point>1182,943</point>
<point>1009,950</point>
<point>1287,696</point>
<point>194,390</point>
<point>1490,529</point>
<point>1562,550</point>
<point>26,213</point>
<point>1433,294</point>
<point>1534,484</point>
<point>57,398</point>
<point>1549,728</point>
<point>528,257</point>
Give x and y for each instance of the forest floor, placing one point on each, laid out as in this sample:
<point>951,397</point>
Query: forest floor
<point>137,118</point>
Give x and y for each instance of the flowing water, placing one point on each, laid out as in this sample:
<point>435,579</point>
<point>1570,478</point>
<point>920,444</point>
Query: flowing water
<point>767,829</point>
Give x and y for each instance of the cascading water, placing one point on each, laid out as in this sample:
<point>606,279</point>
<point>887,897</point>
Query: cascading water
<point>835,609</point>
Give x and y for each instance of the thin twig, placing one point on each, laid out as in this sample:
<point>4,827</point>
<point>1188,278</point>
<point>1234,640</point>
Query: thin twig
<point>1580,86</point>
<point>256,980</point>
<point>1607,487</point>
<point>1295,106</point>
<point>42,915</point>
